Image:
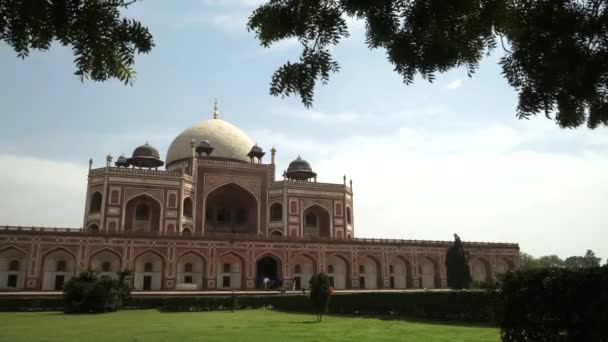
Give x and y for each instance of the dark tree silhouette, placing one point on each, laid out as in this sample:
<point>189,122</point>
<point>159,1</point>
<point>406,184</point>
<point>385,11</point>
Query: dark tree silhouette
<point>320,294</point>
<point>103,43</point>
<point>556,51</point>
<point>457,266</point>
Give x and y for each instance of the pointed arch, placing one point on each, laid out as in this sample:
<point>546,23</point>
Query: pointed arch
<point>231,208</point>
<point>105,249</point>
<point>136,218</point>
<point>188,205</point>
<point>96,201</point>
<point>481,269</point>
<point>93,227</point>
<point>53,276</point>
<point>340,277</point>
<point>13,263</point>
<point>231,270</point>
<point>146,277</point>
<point>321,226</point>
<point>303,267</point>
<point>191,271</point>
<point>97,259</point>
<point>268,265</point>
<point>18,249</point>
<point>349,215</point>
<point>370,271</point>
<point>276,212</point>
<point>400,272</point>
<point>429,272</point>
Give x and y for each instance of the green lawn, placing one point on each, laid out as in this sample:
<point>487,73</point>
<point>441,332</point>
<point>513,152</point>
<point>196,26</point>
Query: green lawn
<point>246,325</point>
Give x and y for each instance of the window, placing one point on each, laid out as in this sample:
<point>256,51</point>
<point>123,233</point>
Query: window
<point>338,209</point>
<point>61,266</point>
<point>276,212</point>
<point>188,268</point>
<point>311,220</point>
<point>148,267</point>
<point>241,216</point>
<point>330,268</point>
<point>188,207</point>
<point>105,267</point>
<point>11,281</point>
<point>112,226</point>
<point>226,281</point>
<point>361,282</point>
<point>186,231</point>
<point>142,212</point>
<point>226,268</point>
<point>361,269</point>
<point>293,207</point>
<point>223,216</point>
<point>349,218</point>
<point>172,200</point>
<point>114,196</point>
<point>298,268</point>
<point>188,279</point>
<point>14,266</point>
<point>94,228</point>
<point>392,282</point>
<point>95,205</point>
<point>391,269</point>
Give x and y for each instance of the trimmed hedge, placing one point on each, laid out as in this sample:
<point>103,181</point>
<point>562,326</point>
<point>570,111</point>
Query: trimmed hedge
<point>555,305</point>
<point>473,306</point>
<point>31,304</point>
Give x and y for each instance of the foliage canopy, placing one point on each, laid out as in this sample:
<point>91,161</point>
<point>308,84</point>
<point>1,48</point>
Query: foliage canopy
<point>556,51</point>
<point>104,44</point>
<point>89,292</point>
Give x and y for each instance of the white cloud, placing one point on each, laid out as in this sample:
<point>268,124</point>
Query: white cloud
<point>41,192</point>
<point>455,84</point>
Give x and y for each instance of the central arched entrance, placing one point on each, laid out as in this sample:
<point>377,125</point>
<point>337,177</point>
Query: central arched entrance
<point>267,275</point>
<point>231,209</point>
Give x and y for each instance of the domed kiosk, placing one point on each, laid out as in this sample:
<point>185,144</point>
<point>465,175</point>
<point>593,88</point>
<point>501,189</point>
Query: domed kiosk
<point>300,170</point>
<point>145,156</point>
<point>228,141</point>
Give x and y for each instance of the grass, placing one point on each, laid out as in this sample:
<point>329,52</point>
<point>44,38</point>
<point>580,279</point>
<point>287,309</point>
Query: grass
<point>246,325</point>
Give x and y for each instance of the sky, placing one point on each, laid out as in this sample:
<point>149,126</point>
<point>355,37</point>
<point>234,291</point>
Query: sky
<point>427,160</point>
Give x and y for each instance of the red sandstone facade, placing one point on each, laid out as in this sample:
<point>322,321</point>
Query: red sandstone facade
<point>221,222</point>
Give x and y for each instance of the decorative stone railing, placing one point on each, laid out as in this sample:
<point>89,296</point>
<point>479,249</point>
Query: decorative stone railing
<point>205,161</point>
<point>249,237</point>
<point>125,170</point>
<point>333,186</point>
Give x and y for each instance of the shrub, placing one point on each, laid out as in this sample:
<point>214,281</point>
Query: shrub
<point>88,292</point>
<point>319,294</point>
<point>555,304</point>
<point>457,266</point>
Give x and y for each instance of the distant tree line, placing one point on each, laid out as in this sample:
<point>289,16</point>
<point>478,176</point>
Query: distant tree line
<point>528,262</point>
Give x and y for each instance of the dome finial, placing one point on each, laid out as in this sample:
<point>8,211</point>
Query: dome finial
<point>215,112</point>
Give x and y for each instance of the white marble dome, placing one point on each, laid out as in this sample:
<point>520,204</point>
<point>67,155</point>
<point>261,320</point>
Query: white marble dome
<point>227,140</point>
